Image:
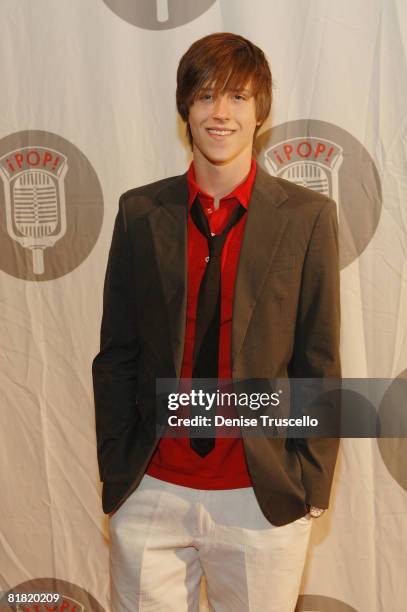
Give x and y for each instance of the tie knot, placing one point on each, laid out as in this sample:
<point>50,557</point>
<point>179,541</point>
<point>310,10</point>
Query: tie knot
<point>199,218</point>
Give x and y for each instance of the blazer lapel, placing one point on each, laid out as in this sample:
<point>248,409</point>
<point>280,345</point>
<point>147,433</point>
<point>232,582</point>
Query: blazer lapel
<point>262,235</point>
<point>168,224</point>
<point>263,232</point>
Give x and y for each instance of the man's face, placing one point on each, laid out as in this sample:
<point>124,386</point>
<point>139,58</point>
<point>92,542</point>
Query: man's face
<point>223,125</point>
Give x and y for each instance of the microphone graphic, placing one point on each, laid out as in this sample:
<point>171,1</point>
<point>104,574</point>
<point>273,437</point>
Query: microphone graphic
<point>162,10</point>
<point>308,175</point>
<point>35,199</point>
<point>309,162</point>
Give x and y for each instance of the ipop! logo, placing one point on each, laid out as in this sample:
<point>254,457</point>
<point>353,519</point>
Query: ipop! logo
<point>51,206</point>
<point>159,14</point>
<point>328,159</point>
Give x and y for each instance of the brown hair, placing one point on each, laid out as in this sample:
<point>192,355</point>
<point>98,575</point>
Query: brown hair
<point>223,61</point>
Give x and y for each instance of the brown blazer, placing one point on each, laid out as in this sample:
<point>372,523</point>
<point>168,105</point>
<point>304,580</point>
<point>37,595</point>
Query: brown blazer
<point>286,322</point>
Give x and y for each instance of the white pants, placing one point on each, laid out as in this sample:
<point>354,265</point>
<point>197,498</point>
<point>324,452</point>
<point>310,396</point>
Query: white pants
<point>165,537</point>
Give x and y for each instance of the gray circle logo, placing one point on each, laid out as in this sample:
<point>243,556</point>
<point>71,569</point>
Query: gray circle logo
<point>51,206</point>
<point>392,411</point>
<point>158,14</point>
<point>321,603</point>
<point>37,595</point>
<point>328,159</point>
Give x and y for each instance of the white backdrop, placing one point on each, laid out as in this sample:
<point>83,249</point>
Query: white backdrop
<point>87,110</point>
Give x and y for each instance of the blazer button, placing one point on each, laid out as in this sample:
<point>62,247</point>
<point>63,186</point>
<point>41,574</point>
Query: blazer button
<point>207,258</point>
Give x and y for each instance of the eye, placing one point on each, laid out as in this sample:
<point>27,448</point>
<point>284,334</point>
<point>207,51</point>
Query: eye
<point>206,96</point>
<point>239,97</point>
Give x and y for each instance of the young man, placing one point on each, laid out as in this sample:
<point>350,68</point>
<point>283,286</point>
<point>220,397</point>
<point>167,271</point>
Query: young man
<point>223,272</point>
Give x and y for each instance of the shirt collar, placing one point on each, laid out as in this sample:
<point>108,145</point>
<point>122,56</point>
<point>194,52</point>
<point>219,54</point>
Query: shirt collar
<point>242,192</point>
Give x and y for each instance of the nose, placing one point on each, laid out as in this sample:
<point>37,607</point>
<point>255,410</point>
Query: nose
<point>220,108</point>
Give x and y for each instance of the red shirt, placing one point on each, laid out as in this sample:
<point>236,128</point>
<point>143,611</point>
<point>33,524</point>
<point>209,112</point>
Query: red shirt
<point>174,460</point>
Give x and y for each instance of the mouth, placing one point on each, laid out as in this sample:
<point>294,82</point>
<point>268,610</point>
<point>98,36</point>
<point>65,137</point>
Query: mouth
<point>219,134</point>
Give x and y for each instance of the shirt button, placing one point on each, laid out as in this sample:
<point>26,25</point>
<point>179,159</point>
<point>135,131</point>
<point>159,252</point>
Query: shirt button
<point>207,258</point>
<point>209,211</point>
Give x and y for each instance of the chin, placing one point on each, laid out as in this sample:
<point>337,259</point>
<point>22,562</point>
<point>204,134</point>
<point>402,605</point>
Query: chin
<point>218,157</point>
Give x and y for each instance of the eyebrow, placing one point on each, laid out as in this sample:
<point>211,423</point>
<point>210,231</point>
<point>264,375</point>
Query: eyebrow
<point>235,89</point>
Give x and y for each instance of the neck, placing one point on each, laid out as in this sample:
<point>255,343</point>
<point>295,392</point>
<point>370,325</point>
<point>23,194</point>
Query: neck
<point>220,179</point>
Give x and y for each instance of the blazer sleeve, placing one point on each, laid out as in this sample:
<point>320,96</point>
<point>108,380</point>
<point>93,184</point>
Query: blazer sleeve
<point>114,368</point>
<point>316,352</point>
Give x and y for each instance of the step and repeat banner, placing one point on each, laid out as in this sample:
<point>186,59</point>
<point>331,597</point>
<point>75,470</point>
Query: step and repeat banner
<point>87,111</point>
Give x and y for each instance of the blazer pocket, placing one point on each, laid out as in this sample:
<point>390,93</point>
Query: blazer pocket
<point>281,264</point>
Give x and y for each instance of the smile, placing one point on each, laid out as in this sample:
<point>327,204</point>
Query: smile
<point>215,132</point>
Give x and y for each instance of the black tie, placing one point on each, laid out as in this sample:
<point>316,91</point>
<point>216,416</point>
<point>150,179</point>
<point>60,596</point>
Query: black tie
<point>206,344</point>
